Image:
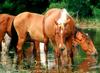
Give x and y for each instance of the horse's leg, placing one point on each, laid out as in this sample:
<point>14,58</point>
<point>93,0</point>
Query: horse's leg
<point>37,52</point>
<point>57,59</point>
<point>29,53</point>
<point>21,39</point>
<point>5,45</point>
<point>46,50</point>
<point>1,38</point>
<point>69,45</point>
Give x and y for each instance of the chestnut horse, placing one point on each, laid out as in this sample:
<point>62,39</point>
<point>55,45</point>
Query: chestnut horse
<point>5,26</point>
<point>79,38</point>
<point>42,28</point>
<point>85,42</point>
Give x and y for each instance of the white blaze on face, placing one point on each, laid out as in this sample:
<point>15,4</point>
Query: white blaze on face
<point>42,54</point>
<point>63,17</point>
<point>59,45</point>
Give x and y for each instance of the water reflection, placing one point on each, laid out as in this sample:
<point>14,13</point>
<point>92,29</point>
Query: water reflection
<point>85,64</point>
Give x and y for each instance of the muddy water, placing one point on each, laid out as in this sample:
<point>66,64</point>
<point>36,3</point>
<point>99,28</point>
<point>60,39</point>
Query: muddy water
<point>82,63</point>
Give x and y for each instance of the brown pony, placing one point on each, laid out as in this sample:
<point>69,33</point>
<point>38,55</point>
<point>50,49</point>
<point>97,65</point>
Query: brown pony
<point>85,41</point>
<point>5,26</point>
<point>43,28</point>
<point>79,38</point>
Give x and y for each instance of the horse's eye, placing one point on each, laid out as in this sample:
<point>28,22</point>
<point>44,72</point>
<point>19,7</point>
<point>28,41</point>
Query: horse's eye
<point>82,35</point>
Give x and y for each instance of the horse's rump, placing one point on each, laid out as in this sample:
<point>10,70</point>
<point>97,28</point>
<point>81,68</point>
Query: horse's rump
<point>6,23</point>
<point>31,23</point>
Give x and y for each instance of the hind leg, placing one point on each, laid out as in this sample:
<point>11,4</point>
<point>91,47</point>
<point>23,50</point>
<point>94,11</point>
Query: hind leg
<point>20,43</point>
<point>1,38</point>
<point>28,54</point>
<point>37,52</point>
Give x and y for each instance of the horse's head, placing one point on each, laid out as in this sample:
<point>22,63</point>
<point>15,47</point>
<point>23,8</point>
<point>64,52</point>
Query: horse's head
<point>59,37</point>
<point>85,42</point>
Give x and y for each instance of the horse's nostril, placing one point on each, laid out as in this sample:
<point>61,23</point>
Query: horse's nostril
<point>62,49</point>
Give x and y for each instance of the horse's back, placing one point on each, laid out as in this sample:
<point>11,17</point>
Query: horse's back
<point>6,22</point>
<point>26,17</point>
<point>31,23</point>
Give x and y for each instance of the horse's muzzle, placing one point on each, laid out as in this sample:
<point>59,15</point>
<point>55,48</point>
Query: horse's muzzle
<point>62,49</point>
<point>93,54</point>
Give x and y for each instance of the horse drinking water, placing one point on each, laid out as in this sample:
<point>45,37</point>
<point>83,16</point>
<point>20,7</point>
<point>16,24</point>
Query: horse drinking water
<point>85,42</point>
<point>78,38</point>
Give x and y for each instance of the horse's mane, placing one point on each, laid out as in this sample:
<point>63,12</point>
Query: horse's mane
<point>77,29</point>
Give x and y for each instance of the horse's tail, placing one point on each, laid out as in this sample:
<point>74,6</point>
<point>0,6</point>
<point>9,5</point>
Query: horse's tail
<point>14,38</point>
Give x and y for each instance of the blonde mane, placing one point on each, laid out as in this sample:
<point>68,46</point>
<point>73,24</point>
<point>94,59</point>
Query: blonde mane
<point>63,17</point>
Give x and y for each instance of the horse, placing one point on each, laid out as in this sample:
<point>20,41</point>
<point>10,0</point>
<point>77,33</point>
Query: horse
<point>38,27</point>
<point>79,38</point>
<point>5,26</point>
<point>85,42</point>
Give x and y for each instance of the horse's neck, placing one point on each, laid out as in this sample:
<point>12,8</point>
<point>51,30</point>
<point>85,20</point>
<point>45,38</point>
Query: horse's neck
<point>53,14</point>
<point>51,11</point>
<point>49,23</point>
<point>72,20</point>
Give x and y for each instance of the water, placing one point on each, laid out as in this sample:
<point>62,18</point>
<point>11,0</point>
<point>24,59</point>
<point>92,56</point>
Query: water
<point>82,64</point>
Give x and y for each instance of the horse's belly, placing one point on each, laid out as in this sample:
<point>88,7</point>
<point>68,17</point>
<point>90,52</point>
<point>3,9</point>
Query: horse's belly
<point>38,36</point>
